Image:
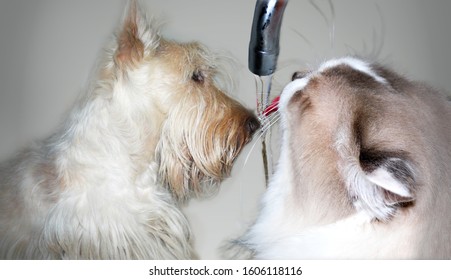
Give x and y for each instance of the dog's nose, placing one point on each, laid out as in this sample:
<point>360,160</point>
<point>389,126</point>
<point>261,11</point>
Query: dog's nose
<point>252,124</point>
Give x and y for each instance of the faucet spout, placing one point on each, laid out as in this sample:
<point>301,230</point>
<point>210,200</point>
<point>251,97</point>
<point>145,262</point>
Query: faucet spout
<point>265,34</point>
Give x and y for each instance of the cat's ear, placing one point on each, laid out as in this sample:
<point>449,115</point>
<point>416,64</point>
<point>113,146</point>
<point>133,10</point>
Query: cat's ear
<point>384,187</point>
<point>395,178</point>
<point>137,36</point>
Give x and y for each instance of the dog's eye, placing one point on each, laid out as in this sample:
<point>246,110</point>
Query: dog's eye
<point>197,76</point>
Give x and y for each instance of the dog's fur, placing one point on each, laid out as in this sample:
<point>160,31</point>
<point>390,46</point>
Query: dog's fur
<point>152,132</point>
<point>364,171</point>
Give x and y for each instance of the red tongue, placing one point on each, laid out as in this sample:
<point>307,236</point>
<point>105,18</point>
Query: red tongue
<point>273,107</point>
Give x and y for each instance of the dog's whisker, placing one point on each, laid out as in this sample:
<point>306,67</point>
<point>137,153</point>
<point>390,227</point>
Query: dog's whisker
<point>266,125</point>
<point>255,141</point>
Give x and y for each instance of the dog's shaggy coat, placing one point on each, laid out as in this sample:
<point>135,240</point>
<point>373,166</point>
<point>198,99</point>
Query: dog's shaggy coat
<point>153,131</point>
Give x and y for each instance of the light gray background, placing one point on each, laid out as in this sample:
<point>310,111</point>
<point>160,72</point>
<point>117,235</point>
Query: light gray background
<point>48,48</point>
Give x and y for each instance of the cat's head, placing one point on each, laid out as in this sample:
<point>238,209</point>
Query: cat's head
<point>359,137</point>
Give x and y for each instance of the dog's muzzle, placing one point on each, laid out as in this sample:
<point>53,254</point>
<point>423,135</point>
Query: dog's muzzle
<point>252,125</point>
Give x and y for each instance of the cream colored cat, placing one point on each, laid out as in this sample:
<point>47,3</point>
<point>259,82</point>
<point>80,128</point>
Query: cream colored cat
<point>364,172</point>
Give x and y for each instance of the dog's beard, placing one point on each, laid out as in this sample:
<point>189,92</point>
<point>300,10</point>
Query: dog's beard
<point>198,148</point>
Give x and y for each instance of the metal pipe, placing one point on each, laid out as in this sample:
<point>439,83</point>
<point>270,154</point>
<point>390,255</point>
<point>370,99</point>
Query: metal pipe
<point>265,34</point>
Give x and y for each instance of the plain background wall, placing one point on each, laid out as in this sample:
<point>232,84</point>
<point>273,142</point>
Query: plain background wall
<point>48,49</point>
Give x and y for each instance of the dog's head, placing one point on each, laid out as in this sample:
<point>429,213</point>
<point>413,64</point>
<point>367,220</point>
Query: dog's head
<point>192,128</point>
<point>358,137</point>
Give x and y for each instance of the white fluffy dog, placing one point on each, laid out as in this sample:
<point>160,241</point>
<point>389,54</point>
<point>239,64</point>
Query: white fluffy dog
<point>153,131</point>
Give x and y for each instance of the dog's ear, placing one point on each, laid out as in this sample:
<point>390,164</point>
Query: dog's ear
<point>136,37</point>
<point>387,184</point>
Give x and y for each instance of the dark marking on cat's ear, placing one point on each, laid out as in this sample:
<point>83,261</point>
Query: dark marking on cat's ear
<point>391,177</point>
<point>299,75</point>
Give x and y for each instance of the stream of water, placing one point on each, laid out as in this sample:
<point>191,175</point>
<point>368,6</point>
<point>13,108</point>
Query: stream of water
<point>263,89</point>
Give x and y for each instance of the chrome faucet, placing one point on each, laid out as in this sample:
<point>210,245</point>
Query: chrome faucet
<point>263,55</point>
<point>265,34</point>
